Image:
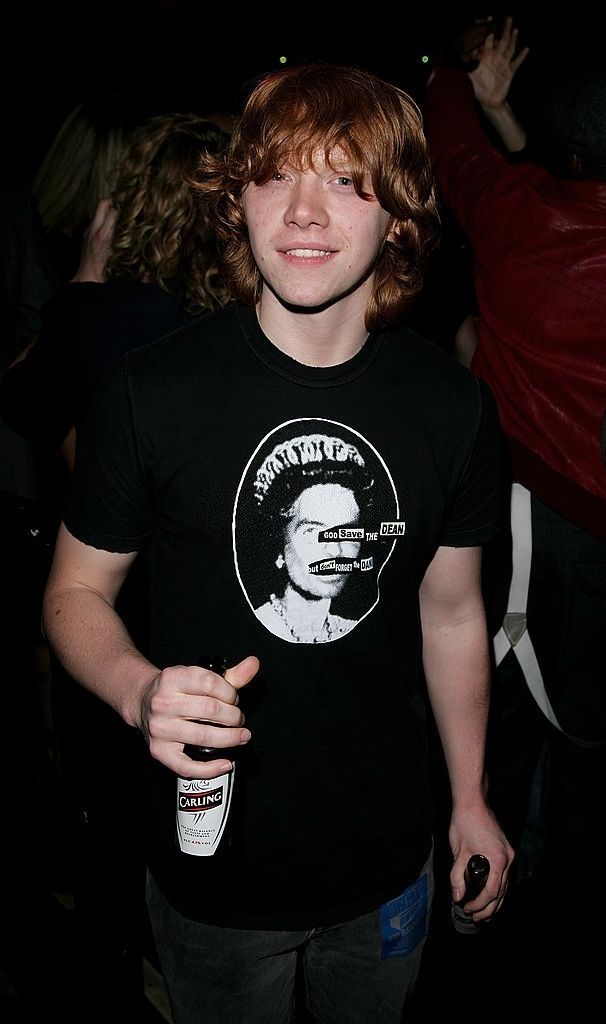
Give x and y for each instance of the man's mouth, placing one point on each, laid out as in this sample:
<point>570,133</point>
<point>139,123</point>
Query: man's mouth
<point>308,253</point>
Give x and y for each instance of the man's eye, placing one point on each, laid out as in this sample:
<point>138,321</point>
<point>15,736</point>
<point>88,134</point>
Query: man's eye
<point>278,176</point>
<point>344,180</point>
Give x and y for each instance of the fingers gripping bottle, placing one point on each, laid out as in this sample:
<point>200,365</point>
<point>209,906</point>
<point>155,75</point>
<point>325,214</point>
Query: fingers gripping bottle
<point>476,873</point>
<point>203,804</point>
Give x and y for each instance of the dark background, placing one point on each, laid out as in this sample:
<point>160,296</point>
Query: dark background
<point>186,55</point>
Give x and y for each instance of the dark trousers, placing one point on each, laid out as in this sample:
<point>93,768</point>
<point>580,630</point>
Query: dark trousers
<point>328,975</point>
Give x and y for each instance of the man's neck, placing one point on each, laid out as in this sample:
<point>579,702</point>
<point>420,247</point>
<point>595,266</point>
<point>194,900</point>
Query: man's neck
<point>328,337</point>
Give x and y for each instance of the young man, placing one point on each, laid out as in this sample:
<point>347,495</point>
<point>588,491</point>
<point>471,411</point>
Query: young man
<point>326,208</point>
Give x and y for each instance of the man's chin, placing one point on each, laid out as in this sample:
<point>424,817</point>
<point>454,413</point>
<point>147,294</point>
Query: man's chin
<point>305,306</point>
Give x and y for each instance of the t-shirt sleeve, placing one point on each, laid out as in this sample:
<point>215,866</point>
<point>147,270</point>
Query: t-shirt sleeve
<point>109,504</point>
<point>475,512</point>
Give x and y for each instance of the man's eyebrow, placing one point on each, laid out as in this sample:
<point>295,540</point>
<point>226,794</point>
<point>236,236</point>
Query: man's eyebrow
<point>344,163</point>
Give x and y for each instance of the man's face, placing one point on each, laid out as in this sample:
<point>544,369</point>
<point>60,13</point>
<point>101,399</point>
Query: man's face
<point>320,507</point>
<point>314,240</point>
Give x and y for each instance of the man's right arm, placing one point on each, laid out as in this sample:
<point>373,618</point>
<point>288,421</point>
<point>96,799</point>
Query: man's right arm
<point>170,706</point>
<point>88,636</point>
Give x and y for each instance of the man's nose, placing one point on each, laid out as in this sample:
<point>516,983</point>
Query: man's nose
<point>307,204</point>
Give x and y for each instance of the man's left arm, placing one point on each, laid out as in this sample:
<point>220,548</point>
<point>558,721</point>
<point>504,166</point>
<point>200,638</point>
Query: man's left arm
<point>457,671</point>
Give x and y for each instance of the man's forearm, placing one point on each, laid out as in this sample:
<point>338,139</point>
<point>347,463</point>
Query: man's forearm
<point>456,663</point>
<point>93,644</point>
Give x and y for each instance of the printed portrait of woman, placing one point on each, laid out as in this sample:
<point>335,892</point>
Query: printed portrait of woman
<point>306,530</point>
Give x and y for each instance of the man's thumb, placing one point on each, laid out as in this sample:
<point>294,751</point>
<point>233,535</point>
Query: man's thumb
<point>242,673</point>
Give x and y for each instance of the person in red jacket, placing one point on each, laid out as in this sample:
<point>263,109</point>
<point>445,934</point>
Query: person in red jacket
<point>539,245</point>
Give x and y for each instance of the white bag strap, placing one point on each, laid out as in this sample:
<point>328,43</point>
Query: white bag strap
<point>513,634</point>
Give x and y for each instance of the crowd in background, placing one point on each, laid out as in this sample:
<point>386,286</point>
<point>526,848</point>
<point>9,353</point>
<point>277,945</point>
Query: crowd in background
<point>106,247</point>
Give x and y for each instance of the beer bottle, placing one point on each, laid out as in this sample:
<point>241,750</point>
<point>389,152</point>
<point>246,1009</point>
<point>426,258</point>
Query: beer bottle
<point>203,804</point>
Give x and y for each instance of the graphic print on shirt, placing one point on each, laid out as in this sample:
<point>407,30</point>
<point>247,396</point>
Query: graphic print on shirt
<point>315,520</point>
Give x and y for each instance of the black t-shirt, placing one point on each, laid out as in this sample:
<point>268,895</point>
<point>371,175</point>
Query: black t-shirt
<point>226,462</point>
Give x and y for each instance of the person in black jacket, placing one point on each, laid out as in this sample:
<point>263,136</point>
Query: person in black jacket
<point>148,266</point>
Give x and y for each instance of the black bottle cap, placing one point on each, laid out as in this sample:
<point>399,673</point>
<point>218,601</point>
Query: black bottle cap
<point>476,873</point>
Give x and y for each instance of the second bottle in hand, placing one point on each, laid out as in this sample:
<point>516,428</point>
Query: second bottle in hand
<point>476,874</point>
<point>203,804</point>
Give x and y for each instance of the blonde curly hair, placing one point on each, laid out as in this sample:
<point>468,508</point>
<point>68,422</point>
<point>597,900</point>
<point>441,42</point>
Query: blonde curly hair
<point>162,233</point>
